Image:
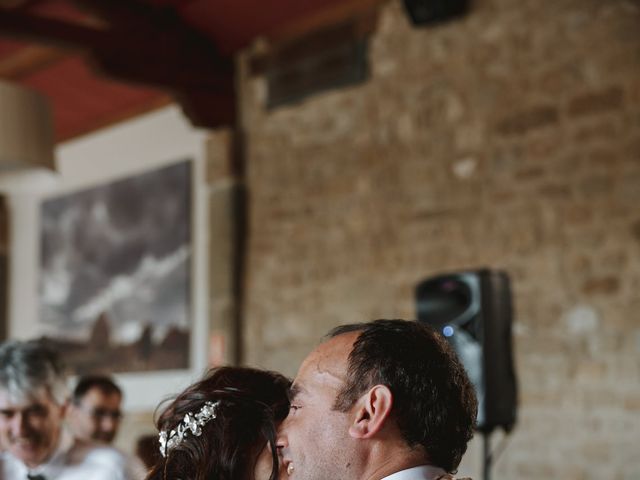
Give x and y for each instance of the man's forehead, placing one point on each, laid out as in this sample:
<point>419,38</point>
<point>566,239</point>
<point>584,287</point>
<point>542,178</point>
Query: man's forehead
<point>21,400</point>
<point>96,394</point>
<point>327,364</point>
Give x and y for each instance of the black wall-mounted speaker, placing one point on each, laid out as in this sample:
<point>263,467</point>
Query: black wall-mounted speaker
<point>473,310</point>
<point>426,12</point>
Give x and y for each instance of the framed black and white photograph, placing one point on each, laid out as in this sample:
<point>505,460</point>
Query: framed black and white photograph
<point>114,273</point>
<point>109,256</point>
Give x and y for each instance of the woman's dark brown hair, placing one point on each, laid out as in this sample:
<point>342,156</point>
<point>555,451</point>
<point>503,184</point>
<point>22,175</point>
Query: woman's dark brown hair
<point>251,404</point>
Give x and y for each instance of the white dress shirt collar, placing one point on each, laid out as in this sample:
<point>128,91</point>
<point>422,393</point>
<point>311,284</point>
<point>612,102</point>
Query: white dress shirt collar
<point>423,472</point>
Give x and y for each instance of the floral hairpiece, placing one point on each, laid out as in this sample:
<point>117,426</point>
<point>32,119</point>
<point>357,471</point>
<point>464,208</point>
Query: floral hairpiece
<point>191,423</point>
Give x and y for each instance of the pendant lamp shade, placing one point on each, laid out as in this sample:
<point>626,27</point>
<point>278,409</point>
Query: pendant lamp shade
<point>26,130</point>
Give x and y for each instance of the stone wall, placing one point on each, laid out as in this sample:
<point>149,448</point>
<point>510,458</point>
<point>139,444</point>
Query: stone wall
<point>508,139</point>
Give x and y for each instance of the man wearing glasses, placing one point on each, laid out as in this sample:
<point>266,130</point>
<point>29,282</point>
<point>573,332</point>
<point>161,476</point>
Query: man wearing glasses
<point>94,412</point>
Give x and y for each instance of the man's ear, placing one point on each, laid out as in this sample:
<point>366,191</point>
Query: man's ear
<point>371,411</point>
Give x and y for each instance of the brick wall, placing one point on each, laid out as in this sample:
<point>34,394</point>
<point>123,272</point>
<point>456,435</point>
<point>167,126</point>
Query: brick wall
<point>508,139</point>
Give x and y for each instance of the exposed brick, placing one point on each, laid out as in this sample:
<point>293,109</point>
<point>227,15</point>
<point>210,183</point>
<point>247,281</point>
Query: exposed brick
<point>628,188</point>
<point>501,197</point>
<point>545,145</point>
<point>593,238</point>
<point>578,215</point>
<point>589,371</point>
<point>634,91</point>
<point>528,470</point>
<point>597,102</point>
<point>603,158</point>
<point>633,149</point>
<point>632,402</point>
<point>635,230</point>
<point>598,451</point>
<point>558,192</point>
<point>353,202</point>
<point>559,79</point>
<point>580,265</point>
<point>529,173</point>
<point>594,397</point>
<point>596,185</point>
<point>569,165</point>
<point>598,130</point>
<point>523,122</point>
<point>601,286</point>
<point>615,261</point>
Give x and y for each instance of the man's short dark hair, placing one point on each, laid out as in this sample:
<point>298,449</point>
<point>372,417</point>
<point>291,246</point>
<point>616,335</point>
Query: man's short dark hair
<point>103,383</point>
<point>434,403</point>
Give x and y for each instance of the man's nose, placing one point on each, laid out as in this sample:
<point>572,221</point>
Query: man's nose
<point>19,424</point>
<point>281,440</point>
<point>108,423</point>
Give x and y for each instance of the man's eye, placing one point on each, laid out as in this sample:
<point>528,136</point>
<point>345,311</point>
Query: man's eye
<point>294,407</point>
<point>37,411</point>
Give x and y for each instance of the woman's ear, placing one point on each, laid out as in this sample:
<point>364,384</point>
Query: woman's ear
<point>371,411</point>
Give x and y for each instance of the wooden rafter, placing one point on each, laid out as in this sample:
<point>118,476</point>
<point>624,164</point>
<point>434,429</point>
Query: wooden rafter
<point>28,60</point>
<point>146,45</point>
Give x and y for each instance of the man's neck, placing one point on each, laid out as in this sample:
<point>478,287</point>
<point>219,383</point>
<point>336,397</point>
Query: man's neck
<point>385,460</point>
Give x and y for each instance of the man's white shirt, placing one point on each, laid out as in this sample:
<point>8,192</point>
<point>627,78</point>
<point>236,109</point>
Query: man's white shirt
<point>76,461</point>
<point>423,472</point>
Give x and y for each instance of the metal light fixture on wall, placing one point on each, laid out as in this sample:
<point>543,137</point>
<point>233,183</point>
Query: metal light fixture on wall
<point>26,130</point>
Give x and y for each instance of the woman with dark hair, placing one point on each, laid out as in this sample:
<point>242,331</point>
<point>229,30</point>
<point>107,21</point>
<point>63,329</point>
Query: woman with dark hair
<point>223,427</point>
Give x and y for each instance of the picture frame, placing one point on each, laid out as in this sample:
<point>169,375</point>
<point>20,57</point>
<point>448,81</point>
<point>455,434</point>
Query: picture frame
<point>144,144</point>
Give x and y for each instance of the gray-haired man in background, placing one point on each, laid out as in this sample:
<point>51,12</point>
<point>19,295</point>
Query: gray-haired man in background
<point>35,443</point>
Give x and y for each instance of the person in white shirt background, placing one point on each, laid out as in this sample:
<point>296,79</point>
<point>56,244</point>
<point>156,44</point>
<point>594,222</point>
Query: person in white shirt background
<point>382,400</point>
<point>35,442</point>
<point>95,409</point>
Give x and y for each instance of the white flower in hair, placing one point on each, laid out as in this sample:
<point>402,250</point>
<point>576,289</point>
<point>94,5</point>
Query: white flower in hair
<point>191,423</point>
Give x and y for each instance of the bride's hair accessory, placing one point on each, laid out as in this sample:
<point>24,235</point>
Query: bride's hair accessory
<point>191,423</point>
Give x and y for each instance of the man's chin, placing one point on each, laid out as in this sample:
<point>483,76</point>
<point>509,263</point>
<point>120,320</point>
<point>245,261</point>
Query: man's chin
<point>286,471</point>
<point>30,453</point>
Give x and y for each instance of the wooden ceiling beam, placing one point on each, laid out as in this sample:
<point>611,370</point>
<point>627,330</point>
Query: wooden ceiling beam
<point>33,28</point>
<point>178,49</point>
<point>28,60</point>
<point>126,13</point>
<point>152,46</point>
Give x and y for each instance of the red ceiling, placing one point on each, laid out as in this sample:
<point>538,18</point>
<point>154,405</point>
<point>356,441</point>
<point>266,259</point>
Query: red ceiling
<point>84,100</point>
<point>233,24</point>
<point>9,47</point>
<point>81,101</point>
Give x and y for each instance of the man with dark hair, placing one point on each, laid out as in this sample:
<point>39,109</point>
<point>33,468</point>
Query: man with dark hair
<point>94,412</point>
<point>33,404</point>
<point>382,400</point>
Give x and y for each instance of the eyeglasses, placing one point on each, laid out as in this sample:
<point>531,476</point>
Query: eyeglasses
<point>100,413</point>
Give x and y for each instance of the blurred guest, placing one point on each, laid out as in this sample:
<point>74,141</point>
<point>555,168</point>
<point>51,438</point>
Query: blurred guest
<point>33,404</point>
<point>94,412</point>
